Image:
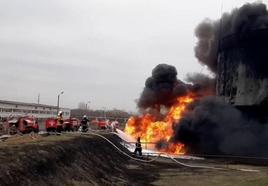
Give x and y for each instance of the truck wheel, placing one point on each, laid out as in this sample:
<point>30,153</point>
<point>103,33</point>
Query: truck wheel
<point>59,129</point>
<point>2,130</point>
<point>13,130</point>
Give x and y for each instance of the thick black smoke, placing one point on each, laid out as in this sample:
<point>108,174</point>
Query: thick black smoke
<point>211,126</point>
<point>163,87</point>
<point>201,84</point>
<point>206,49</point>
<point>240,24</point>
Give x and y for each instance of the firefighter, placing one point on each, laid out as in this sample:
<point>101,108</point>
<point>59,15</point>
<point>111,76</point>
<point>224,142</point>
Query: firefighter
<point>60,122</point>
<point>138,147</point>
<point>84,123</point>
<point>114,125</point>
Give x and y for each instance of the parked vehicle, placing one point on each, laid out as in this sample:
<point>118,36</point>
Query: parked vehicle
<point>71,124</point>
<point>23,125</point>
<point>51,125</point>
<point>100,123</point>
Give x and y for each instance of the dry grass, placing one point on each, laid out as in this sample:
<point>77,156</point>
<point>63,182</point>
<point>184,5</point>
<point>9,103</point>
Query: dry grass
<point>89,160</point>
<point>200,177</point>
<point>37,139</point>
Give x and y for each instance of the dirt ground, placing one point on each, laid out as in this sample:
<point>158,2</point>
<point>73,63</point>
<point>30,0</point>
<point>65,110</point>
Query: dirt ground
<point>89,160</point>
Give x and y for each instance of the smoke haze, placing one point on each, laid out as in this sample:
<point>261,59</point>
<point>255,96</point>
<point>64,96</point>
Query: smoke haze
<point>239,23</point>
<point>212,126</point>
<point>163,87</point>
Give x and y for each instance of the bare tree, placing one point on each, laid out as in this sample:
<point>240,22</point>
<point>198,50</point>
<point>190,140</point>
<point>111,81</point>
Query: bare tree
<point>82,105</point>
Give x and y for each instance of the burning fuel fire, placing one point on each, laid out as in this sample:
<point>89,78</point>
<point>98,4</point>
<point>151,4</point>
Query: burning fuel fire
<point>152,131</point>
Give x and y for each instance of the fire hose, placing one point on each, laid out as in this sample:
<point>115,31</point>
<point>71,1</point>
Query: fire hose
<point>173,159</point>
<point>136,159</point>
<point>160,155</point>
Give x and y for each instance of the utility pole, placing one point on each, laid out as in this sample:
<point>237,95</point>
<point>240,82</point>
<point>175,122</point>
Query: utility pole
<point>58,103</point>
<point>38,98</point>
<point>104,112</point>
<point>87,105</point>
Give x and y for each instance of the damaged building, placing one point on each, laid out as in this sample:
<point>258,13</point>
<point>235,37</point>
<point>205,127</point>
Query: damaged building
<point>242,78</point>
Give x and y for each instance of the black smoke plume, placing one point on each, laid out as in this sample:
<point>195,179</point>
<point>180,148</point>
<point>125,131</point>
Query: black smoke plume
<point>163,87</point>
<point>201,85</point>
<point>211,126</point>
<point>245,28</point>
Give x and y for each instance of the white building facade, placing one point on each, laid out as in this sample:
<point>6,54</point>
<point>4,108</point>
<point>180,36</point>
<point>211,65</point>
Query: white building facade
<point>40,111</point>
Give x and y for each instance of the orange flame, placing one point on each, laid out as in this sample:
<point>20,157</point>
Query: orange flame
<point>152,131</point>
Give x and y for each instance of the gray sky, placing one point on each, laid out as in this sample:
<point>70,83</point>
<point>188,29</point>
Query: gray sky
<point>97,50</point>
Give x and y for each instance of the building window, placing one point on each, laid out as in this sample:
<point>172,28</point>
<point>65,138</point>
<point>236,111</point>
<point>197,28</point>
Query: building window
<point>25,111</point>
<point>16,110</point>
<point>7,110</point>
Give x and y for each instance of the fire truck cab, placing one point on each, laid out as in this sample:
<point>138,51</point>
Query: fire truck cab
<point>23,125</point>
<point>51,125</point>
<point>102,124</point>
<point>71,124</point>
<point>99,123</point>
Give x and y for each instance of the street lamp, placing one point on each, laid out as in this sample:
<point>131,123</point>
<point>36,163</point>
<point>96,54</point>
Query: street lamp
<point>58,105</point>
<point>104,112</point>
<point>87,104</point>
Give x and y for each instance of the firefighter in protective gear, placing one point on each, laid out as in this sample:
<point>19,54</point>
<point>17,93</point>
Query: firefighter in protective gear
<point>114,125</point>
<point>84,123</point>
<point>60,122</point>
<point>138,147</point>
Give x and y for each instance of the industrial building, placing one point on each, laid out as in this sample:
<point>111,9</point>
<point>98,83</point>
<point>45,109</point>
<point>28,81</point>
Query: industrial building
<point>242,78</point>
<point>242,72</point>
<point>40,111</point>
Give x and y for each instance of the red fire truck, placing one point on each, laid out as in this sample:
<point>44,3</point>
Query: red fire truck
<point>51,125</point>
<point>23,125</point>
<point>99,123</point>
<point>71,124</point>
